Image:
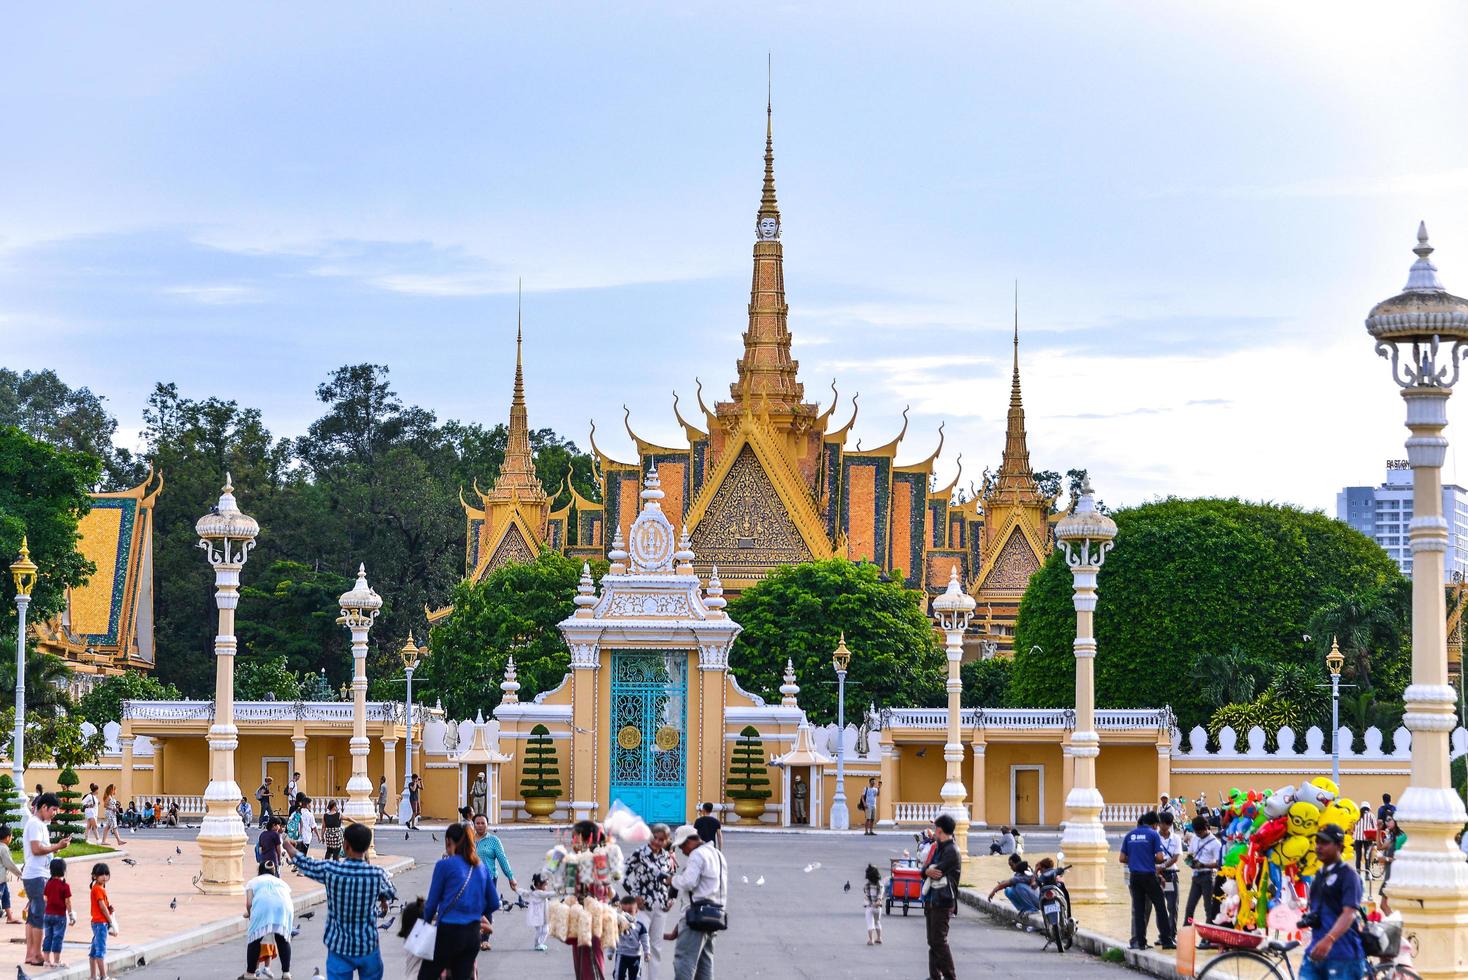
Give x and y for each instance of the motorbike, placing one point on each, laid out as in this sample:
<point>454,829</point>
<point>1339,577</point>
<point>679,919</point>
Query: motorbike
<point>1060,927</point>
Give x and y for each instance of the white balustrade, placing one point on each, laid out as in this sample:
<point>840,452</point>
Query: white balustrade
<point>1112,719</point>
<point>915,812</point>
<point>1126,813</point>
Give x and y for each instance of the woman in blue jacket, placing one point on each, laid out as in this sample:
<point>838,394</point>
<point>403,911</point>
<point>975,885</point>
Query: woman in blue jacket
<point>460,900</point>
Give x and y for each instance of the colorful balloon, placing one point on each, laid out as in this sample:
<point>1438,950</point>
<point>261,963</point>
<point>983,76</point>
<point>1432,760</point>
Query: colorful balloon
<point>1303,818</point>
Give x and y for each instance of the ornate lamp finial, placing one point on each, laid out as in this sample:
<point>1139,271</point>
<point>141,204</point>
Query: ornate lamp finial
<point>23,569</point>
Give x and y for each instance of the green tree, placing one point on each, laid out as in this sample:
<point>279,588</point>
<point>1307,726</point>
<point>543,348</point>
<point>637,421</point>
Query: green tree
<point>47,683</point>
<point>1373,627</point>
<point>289,612</point>
<point>44,407</point>
<point>1186,580</point>
<point>43,493</point>
<point>749,776</point>
<point>986,683</point>
<point>514,608</point>
<point>10,805</point>
<point>265,679</point>
<point>1268,711</point>
<point>68,822</point>
<point>540,776</point>
<point>1230,678</point>
<point>800,612</point>
<point>103,703</point>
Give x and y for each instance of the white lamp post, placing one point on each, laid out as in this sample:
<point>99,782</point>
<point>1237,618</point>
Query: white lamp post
<point>840,815</point>
<point>1086,535</point>
<point>411,655</point>
<point>954,610</point>
<point>360,606</point>
<point>23,570</point>
<point>1334,661</point>
<point>226,535</point>
<point>1424,330</point>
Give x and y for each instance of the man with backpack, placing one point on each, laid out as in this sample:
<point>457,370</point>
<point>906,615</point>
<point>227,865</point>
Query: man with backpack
<point>300,829</point>
<point>1335,951</point>
<point>263,795</point>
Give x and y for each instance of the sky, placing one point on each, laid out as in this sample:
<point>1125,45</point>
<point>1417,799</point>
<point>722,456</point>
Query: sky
<point>1200,202</point>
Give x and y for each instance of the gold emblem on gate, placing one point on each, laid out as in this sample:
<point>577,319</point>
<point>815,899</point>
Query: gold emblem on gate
<point>667,738</point>
<point>630,737</point>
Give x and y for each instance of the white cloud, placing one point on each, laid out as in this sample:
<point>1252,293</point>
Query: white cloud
<point>219,294</point>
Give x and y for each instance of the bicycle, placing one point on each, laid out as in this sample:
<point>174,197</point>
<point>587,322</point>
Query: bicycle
<point>1251,956</point>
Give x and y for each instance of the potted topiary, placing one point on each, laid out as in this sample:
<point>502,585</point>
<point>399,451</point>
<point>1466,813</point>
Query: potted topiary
<point>749,780</point>
<point>10,805</point>
<point>539,784</point>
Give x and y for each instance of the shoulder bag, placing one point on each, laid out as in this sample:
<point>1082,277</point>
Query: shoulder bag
<point>424,937</point>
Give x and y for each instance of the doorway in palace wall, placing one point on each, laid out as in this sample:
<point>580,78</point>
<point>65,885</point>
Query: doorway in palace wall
<point>1026,795</point>
<point>279,769</point>
<point>649,748</point>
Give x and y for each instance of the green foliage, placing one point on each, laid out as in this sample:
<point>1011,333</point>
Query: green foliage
<point>749,777</point>
<point>103,703</point>
<point>1113,954</point>
<point>68,822</point>
<point>1268,711</point>
<point>289,613</point>
<point>800,611</point>
<point>516,607</point>
<point>1459,774</point>
<point>11,808</point>
<point>1187,580</point>
<point>315,687</point>
<point>539,776</point>
<point>986,683</point>
<point>42,406</point>
<point>43,493</point>
<point>264,679</point>
<point>1229,678</point>
<point>1373,627</point>
<point>47,681</point>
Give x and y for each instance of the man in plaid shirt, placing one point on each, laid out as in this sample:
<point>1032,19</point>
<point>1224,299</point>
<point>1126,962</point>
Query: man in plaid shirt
<point>356,893</point>
<point>649,876</point>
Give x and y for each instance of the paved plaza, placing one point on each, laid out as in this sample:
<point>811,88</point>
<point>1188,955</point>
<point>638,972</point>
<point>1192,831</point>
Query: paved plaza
<point>797,925</point>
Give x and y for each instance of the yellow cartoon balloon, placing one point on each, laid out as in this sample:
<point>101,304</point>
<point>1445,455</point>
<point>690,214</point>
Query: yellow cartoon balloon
<point>1327,784</point>
<point>1302,820</point>
<point>1294,848</point>
<point>1338,815</point>
<point>1351,807</point>
<point>1311,864</point>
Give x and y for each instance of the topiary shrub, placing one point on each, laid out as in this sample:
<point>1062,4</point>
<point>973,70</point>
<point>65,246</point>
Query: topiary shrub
<point>539,779</point>
<point>69,821</point>
<point>748,774</point>
<point>11,808</point>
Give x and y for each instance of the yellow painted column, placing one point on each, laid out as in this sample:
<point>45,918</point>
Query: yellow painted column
<point>160,785</point>
<point>980,805</point>
<point>1164,768</point>
<point>585,662</point>
<point>298,743</point>
<point>125,777</point>
<point>390,765</point>
<point>887,801</point>
<point>713,661</point>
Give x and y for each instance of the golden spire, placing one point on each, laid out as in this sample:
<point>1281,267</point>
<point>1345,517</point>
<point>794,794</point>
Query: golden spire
<point>768,207</point>
<point>1015,479</point>
<point>767,372</point>
<point>517,478</point>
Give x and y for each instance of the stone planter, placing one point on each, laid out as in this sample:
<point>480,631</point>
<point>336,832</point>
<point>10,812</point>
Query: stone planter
<point>540,807</point>
<point>749,809</point>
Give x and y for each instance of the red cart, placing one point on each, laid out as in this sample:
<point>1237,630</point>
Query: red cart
<point>905,884</point>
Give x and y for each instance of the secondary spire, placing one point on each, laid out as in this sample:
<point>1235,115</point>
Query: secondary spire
<point>517,476</point>
<point>1015,479</point>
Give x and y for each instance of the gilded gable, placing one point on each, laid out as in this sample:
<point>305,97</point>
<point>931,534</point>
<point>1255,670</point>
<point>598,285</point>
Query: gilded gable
<point>512,547</point>
<point>746,530</point>
<point>1016,563</point>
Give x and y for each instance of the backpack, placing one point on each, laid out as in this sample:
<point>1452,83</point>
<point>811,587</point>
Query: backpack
<point>259,854</point>
<point>293,826</point>
<point>263,793</point>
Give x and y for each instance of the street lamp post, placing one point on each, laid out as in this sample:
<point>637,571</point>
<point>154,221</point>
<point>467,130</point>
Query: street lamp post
<point>1086,535</point>
<point>1334,661</point>
<point>954,610</point>
<point>1424,331</point>
<point>840,815</point>
<point>411,654</point>
<point>359,606</point>
<point>23,570</point>
<point>226,535</point>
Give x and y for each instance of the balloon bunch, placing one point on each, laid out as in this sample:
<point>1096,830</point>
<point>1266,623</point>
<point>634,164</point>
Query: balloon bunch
<point>1269,850</point>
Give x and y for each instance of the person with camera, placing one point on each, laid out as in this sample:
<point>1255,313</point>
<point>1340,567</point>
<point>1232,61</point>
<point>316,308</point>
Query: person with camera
<point>704,878</point>
<point>940,896</point>
<point>1335,951</point>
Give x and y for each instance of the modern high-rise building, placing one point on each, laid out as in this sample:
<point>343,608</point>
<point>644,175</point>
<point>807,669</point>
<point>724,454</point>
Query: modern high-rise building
<point>1384,514</point>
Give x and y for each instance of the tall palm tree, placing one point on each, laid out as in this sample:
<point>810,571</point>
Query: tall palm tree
<point>1229,678</point>
<point>47,682</point>
<point>1363,623</point>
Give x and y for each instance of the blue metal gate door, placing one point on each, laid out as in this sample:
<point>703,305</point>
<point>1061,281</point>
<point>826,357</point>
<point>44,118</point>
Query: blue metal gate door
<point>649,733</point>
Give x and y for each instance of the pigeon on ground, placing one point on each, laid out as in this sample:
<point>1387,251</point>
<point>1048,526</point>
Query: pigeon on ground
<point>168,861</point>
<point>434,836</point>
<point>173,904</point>
<point>316,974</point>
<point>387,923</point>
<point>177,849</point>
<point>847,888</point>
<point>760,880</point>
<point>295,932</point>
<point>406,835</point>
<point>130,862</point>
<point>309,915</point>
<point>744,879</point>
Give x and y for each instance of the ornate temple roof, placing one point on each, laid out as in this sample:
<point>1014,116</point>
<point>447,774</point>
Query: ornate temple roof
<point>517,479</point>
<point>108,621</point>
<point>1015,481</point>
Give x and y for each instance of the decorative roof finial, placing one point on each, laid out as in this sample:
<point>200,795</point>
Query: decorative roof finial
<point>768,206</point>
<point>618,555</point>
<point>510,685</point>
<point>789,690</point>
<point>684,555</point>
<point>1423,276</point>
<point>715,600</point>
<point>585,592</point>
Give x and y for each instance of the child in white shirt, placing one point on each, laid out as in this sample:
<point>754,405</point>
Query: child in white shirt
<point>535,916</point>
